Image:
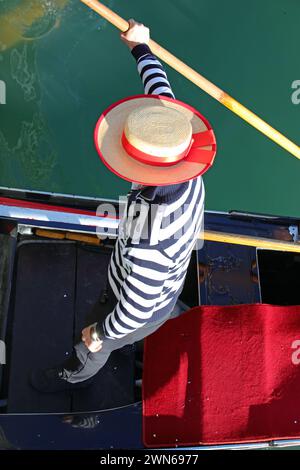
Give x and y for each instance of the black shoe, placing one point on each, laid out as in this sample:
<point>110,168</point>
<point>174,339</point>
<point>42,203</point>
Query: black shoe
<point>54,380</point>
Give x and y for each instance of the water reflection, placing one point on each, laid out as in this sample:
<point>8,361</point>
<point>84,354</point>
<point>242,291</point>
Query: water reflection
<point>27,20</point>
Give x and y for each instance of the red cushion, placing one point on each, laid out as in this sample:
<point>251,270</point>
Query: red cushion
<point>220,375</point>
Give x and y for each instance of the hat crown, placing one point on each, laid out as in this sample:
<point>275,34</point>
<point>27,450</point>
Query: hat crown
<point>135,164</point>
<point>158,130</point>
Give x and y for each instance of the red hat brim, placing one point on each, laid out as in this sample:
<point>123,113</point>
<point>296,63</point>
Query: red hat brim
<point>108,141</point>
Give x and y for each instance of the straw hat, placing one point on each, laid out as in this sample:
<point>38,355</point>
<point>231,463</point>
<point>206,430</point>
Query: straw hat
<point>155,140</point>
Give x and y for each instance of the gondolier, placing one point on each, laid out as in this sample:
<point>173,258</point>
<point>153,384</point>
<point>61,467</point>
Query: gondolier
<point>162,146</point>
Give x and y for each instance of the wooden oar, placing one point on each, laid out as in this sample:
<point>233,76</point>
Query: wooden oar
<point>201,82</point>
<point>247,240</point>
<point>208,235</point>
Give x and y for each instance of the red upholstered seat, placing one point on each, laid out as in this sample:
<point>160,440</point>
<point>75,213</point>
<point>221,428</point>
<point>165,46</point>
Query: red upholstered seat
<point>223,375</point>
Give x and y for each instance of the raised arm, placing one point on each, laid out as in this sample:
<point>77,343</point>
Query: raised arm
<point>151,71</point>
<point>148,267</point>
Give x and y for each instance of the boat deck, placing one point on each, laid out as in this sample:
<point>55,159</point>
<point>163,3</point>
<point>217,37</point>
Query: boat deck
<point>55,286</point>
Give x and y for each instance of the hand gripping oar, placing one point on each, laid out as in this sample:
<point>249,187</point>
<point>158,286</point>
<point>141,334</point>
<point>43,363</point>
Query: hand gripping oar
<point>201,82</point>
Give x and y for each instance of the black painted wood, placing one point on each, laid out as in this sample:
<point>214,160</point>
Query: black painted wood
<point>43,322</point>
<point>56,287</point>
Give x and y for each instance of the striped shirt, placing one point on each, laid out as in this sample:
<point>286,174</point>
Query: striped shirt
<point>157,234</point>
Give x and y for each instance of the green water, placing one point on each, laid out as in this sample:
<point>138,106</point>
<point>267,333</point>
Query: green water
<point>63,65</point>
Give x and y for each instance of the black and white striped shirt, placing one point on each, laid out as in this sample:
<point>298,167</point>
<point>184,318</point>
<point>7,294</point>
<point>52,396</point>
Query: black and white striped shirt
<point>157,234</point>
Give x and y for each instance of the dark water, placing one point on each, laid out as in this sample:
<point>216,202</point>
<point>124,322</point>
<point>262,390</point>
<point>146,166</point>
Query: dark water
<point>63,65</point>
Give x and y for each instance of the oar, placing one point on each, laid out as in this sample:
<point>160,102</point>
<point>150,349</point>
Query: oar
<point>219,237</point>
<point>247,240</point>
<point>201,82</point>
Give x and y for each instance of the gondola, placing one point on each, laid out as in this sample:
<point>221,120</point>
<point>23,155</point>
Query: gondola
<point>55,249</point>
